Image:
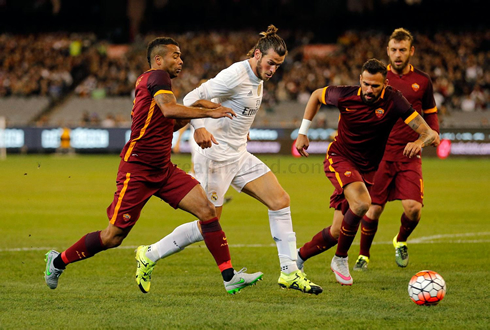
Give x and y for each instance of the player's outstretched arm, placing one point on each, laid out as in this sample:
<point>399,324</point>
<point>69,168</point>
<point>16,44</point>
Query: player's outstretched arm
<point>427,136</point>
<point>170,109</point>
<point>314,104</point>
<point>206,104</point>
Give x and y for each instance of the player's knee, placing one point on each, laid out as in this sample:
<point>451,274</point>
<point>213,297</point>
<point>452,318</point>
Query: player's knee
<point>111,241</point>
<point>280,202</point>
<point>412,209</point>
<point>374,211</point>
<point>360,208</point>
<point>115,242</point>
<point>207,211</point>
<point>335,231</point>
<point>413,212</point>
<point>112,236</point>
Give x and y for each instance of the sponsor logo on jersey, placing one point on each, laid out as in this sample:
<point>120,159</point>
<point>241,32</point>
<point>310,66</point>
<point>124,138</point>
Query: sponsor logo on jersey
<point>415,87</point>
<point>379,112</point>
<point>250,93</point>
<point>249,111</point>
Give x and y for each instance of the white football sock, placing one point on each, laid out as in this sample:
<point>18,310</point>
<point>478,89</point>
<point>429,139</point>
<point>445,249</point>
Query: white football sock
<point>174,242</point>
<point>285,238</point>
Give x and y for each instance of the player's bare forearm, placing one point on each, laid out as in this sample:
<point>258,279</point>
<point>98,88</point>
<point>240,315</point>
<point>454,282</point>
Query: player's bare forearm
<point>427,136</point>
<point>205,104</point>
<point>170,109</point>
<point>313,105</point>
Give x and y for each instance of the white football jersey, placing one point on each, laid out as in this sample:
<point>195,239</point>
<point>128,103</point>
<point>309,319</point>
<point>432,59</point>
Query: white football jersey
<point>236,87</point>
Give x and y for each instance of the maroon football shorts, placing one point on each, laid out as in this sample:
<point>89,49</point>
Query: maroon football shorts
<point>136,183</point>
<point>398,181</point>
<point>340,171</point>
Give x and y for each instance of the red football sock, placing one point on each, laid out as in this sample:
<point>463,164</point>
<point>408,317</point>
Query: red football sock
<point>86,247</point>
<point>319,243</point>
<point>368,230</point>
<point>406,228</point>
<point>348,231</point>
<point>215,240</point>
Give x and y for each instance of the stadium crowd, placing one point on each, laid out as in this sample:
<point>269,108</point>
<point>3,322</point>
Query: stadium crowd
<point>55,65</point>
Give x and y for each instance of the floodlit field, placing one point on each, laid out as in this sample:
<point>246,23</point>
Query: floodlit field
<point>49,202</point>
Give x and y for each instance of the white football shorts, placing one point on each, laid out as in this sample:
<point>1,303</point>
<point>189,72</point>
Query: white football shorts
<point>216,177</point>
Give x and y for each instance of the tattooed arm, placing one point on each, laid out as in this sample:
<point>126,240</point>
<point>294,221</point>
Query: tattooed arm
<point>427,136</point>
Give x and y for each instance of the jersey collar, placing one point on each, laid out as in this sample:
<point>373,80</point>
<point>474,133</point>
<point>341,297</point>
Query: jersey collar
<point>389,68</point>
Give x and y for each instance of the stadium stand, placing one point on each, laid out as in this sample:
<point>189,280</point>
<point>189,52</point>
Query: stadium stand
<point>84,112</point>
<point>85,80</point>
<point>22,111</point>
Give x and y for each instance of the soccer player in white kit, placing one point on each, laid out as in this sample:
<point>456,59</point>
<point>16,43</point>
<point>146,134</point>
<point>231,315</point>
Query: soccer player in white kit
<point>223,159</point>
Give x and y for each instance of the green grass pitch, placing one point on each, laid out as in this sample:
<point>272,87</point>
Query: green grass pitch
<point>49,202</point>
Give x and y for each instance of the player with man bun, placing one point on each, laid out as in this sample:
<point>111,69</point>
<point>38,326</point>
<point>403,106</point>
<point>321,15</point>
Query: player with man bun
<point>223,159</point>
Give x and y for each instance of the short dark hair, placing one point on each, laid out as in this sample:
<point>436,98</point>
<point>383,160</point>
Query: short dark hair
<point>156,43</point>
<point>374,66</point>
<point>269,40</point>
<point>401,34</point>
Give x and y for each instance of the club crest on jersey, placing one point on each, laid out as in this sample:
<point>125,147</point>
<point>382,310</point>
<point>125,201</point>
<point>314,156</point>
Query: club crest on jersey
<point>126,217</point>
<point>379,112</point>
<point>415,87</point>
<point>348,174</point>
<point>214,196</point>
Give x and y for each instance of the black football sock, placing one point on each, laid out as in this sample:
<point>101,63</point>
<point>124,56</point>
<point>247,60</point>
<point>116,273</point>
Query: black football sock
<point>59,263</point>
<point>228,274</point>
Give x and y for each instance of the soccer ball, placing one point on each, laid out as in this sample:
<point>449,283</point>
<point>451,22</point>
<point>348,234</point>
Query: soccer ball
<point>427,288</point>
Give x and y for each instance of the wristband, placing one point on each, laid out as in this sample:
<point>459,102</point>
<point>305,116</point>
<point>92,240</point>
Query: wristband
<point>305,125</point>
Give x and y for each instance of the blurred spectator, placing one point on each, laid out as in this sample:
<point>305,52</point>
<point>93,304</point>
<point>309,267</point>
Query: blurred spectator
<point>109,121</point>
<point>55,64</point>
<point>479,97</point>
<point>39,64</point>
<point>468,104</point>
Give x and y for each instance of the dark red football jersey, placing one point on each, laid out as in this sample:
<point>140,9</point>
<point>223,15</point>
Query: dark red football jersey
<point>364,129</point>
<point>417,88</point>
<point>151,132</point>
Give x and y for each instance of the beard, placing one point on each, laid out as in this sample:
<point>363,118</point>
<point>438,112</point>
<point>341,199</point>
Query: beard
<point>372,100</point>
<point>260,72</point>
<point>400,67</point>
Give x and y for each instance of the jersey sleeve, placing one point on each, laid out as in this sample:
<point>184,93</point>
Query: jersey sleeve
<point>433,121</point>
<point>331,95</point>
<point>429,107</point>
<point>159,82</point>
<point>220,86</point>
<point>403,108</point>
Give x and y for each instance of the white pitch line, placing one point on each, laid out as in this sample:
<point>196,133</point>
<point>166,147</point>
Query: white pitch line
<point>421,240</point>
